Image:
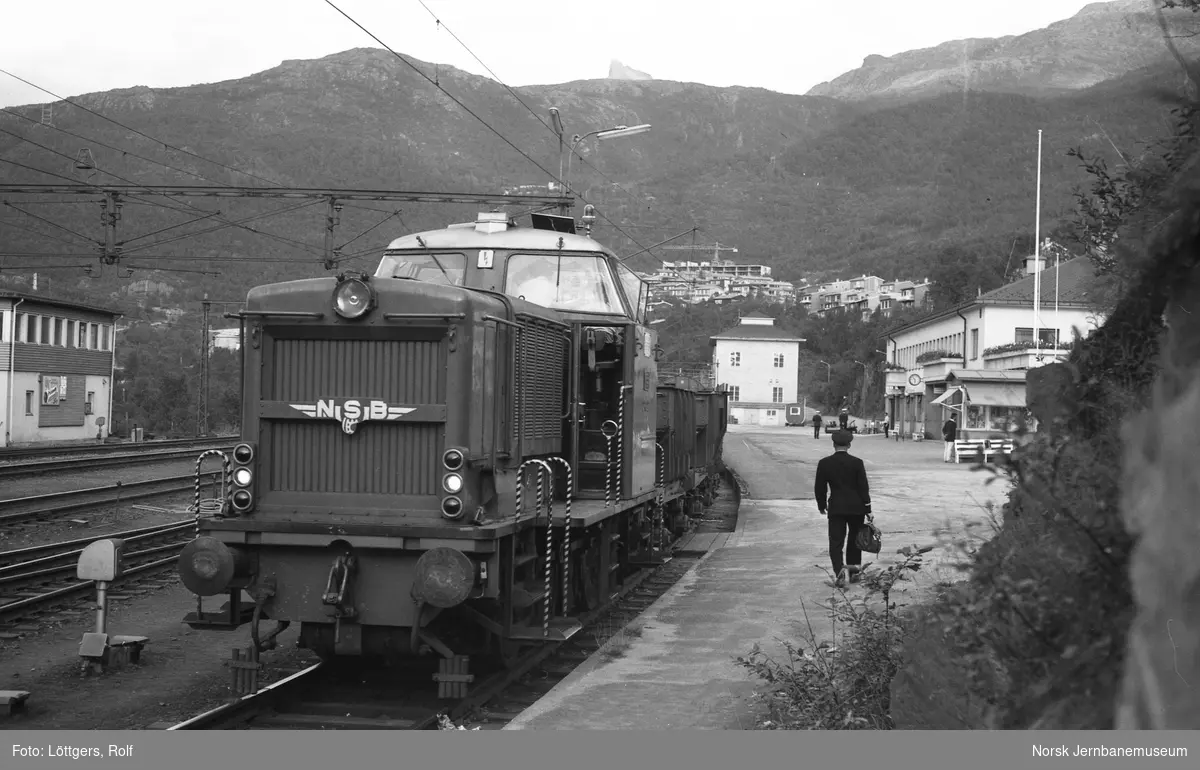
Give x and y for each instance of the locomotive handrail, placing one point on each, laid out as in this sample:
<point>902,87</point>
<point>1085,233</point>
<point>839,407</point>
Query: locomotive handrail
<point>424,316</point>
<point>499,320</point>
<point>282,313</point>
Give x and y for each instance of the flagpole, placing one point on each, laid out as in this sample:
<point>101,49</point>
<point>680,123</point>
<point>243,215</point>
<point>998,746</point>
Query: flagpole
<point>1037,249</point>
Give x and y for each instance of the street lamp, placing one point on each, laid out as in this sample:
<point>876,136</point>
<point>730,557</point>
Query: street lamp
<point>827,368</point>
<point>603,135</point>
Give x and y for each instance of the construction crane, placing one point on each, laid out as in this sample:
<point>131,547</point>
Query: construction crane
<point>716,249</point>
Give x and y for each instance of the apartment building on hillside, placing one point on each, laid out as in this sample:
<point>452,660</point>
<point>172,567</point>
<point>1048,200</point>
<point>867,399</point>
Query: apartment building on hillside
<point>862,295</point>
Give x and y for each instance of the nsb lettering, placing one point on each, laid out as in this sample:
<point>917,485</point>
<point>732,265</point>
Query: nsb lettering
<point>352,412</point>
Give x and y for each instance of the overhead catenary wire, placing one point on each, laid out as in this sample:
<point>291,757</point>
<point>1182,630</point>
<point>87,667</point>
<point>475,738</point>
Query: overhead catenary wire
<point>290,241</point>
<point>140,133</point>
<point>515,95</point>
<point>473,114</point>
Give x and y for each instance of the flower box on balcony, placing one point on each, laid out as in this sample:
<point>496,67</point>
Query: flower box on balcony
<point>1023,359</point>
<point>938,368</point>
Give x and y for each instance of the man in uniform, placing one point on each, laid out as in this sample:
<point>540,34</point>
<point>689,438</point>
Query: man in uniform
<point>844,497</point>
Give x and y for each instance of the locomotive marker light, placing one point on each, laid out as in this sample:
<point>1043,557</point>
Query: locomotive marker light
<point>242,477</point>
<point>452,483</point>
<point>452,507</point>
<point>354,296</point>
<point>243,453</point>
<point>452,459</point>
<point>242,500</point>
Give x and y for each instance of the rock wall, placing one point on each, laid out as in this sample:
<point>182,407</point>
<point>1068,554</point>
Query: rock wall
<point>1161,688</point>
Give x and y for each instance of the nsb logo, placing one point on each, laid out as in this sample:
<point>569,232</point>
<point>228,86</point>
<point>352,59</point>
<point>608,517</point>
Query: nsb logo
<point>351,411</point>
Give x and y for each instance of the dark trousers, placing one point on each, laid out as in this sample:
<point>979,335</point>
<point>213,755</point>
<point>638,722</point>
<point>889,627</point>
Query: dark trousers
<point>842,533</point>
<point>816,431</point>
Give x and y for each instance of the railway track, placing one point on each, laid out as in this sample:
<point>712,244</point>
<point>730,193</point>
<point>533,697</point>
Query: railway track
<point>348,696</point>
<point>345,696</point>
<point>39,577</point>
<point>18,454</point>
<point>20,510</point>
<point>38,467</point>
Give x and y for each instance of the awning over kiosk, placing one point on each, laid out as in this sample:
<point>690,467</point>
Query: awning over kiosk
<point>943,399</point>
<point>997,394</point>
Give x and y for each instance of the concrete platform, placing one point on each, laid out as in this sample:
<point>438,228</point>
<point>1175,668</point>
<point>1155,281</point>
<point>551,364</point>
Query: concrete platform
<point>756,584</point>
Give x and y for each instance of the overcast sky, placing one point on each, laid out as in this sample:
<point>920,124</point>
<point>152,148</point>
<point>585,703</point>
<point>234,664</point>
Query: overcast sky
<point>73,47</point>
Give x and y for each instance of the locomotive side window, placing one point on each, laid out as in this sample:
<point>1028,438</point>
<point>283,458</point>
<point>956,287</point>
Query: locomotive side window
<point>446,269</point>
<point>635,291</point>
<point>578,283</point>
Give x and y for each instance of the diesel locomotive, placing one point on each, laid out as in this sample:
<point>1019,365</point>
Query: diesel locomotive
<point>456,455</point>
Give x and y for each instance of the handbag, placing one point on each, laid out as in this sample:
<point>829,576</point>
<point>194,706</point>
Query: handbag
<point>869,538</point>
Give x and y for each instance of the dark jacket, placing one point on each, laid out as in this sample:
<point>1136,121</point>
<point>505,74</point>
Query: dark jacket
<point>842,485</point>
<point>817,419</point>
<point>843,419</point>
<point>950,430</point>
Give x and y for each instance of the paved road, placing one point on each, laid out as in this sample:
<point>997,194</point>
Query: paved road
<point>679,673</point>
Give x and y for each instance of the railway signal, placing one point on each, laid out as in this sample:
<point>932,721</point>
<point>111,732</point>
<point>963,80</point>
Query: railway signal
<point>101,562</point>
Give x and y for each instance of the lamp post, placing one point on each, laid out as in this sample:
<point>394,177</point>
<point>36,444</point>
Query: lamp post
<point>826,371</point>
<point>603,134</point>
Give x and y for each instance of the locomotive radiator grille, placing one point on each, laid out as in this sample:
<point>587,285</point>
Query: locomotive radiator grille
<point>398,371</point>
<point>380,458</point>
<point>540,356</point>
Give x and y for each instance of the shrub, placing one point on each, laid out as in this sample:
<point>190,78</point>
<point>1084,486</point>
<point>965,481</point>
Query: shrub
<point>934,355</point>
<point>843,683</point>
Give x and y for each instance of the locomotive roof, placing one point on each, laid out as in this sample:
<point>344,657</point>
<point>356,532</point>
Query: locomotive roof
<point>467,237</point>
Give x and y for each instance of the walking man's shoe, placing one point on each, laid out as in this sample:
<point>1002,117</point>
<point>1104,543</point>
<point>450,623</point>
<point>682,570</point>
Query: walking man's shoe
<point>855,573</point>
<point>841,578</point>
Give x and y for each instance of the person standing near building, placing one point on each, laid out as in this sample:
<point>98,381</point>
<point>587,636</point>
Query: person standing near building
<point>844,497</point>
<point>817,425</point>
<point>949,434</point>
<point>887,426</point>
<point>844,419</point>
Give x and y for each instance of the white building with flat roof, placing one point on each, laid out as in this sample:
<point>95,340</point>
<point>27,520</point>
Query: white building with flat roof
<point>759,363</point>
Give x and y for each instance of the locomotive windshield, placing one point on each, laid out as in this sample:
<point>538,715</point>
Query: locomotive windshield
<point>574,283</point>
<point>446,269</point>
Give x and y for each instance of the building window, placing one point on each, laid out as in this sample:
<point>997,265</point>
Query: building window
<point>89,402</point>
<point>779,360</point>
<point>58,332</point>
<point>1045,336</point>
<point>974,343</point>
<point>81,340</point>
<point>776,395</point>
<point>29,403</point>
<point>735,359</point>
<point>46,326</point>
<point>735,393</point>
<point>770,413</point>
<point>69,340</point>
<point>93,333</point>
<point>104,338</point>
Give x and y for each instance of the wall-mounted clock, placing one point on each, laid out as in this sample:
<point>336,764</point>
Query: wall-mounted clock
<point>914,379</point>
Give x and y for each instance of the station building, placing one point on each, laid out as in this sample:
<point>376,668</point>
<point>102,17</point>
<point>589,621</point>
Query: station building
<point>759,363</point>
<point>57,371</point>
<point>971,360</point>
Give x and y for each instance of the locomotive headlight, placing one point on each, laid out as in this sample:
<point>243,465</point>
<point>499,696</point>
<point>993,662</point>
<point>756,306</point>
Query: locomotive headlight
<point>243,453</point>
<point>353,297</point>
<point>242,477</point>
<point>242,500</point>
<point>452,483</point>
